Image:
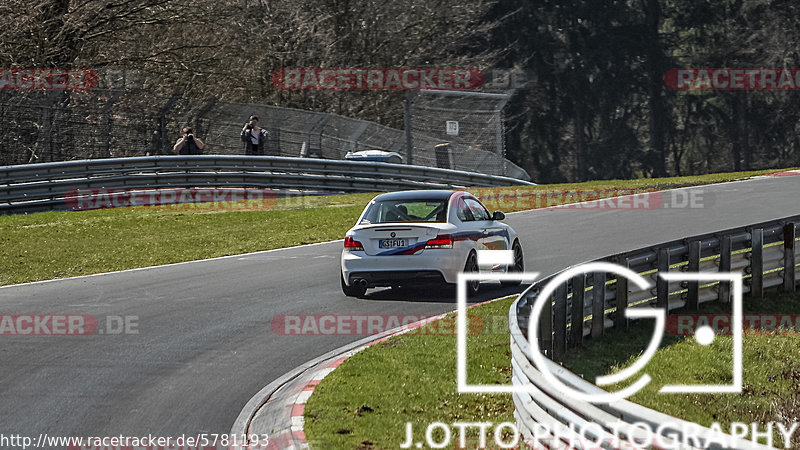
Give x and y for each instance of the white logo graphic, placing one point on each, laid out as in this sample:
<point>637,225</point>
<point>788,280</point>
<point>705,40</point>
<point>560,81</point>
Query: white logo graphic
<point>546,367</point>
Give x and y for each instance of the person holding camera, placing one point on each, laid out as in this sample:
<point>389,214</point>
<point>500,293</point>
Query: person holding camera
<point>254,138</point>
<point>188,144</point>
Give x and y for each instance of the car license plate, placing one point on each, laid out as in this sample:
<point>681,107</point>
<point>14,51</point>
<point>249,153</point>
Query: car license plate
<point>391,243</point>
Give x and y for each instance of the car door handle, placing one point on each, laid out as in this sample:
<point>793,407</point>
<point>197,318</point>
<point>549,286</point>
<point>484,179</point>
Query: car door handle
<point>485,232</point>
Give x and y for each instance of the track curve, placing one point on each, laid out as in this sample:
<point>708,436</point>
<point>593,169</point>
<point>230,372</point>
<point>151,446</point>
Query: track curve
<point>204,344</point>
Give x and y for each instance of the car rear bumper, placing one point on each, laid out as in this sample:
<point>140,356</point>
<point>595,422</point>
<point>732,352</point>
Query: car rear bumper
<point>394,277</point>
<point>431,266</point>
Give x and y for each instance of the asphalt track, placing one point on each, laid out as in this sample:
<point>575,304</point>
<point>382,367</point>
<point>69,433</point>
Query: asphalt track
<point>205,346</point>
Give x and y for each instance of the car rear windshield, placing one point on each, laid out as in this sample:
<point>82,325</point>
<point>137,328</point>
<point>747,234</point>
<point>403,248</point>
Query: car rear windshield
<point>398,211</point>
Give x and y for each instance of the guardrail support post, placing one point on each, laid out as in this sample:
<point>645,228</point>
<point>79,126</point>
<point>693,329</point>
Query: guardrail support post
<point>693,287</point>
<point>724,267</point>
<point>598,304</point>
<point>546,328</point>
<point>789,278</point>
<point>576,321</point>
<point>757,264</point>
<point>662,287</point>
<point>560,322</point>
<point>620,321</point>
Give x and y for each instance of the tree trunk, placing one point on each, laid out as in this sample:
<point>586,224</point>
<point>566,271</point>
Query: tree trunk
<point>739,150</point>
<point>658,115</point>
<point>581,166</point>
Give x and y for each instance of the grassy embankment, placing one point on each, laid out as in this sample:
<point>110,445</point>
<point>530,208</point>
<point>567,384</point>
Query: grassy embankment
<point>62,244</point>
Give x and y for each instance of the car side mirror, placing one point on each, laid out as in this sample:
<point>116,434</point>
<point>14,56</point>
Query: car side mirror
<point>498,215</point>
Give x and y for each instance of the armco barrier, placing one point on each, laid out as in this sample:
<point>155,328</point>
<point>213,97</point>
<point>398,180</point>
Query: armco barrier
<point>41,187</point>
<point>766,254</point>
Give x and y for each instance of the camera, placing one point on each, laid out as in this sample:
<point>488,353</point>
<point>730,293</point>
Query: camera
<point>249,126</point>
<point>189,138</point>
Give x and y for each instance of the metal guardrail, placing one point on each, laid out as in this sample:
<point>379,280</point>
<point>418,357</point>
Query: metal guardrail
<point>42,187</point>
<point>766,254</point>
<point>40,126</point>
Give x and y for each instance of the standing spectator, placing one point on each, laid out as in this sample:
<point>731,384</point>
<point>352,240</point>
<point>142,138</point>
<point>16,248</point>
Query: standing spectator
<point>188,144</point>
<point>254,138</point>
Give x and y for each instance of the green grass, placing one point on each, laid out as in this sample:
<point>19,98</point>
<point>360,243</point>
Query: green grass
<point>530,197</point>
<point>62,244</point>
<point>771,369</point>
<point>366,402</point>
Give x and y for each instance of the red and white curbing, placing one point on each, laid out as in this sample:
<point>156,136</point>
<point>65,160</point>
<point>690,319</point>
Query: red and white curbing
<point>296,437</point>
<point>299,406</point>
<point>786,173</point>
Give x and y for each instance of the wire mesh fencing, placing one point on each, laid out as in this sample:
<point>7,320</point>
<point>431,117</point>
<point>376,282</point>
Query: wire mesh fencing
<point>60,126</point>
<point>470,123</point>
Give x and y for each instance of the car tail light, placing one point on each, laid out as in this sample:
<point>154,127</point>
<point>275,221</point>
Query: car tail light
<point>441,241</point>
<point>353,245</point>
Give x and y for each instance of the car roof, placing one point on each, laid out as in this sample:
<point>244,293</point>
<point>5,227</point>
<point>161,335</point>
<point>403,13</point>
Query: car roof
<point>431,194</point>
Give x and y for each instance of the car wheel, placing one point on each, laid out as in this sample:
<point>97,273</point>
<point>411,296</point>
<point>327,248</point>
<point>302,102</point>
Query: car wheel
<point>472,266</point>
<point>352,291</point>
<point>518,267</point>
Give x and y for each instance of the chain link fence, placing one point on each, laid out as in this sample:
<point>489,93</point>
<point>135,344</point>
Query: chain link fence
<point>59,126</point>
<point>471,123</point>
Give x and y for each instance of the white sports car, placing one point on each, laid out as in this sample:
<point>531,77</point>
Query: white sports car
<point>411,237</point>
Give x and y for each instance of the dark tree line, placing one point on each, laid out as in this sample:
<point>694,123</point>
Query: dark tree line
<point>594,106</point>
<point>599,107</point>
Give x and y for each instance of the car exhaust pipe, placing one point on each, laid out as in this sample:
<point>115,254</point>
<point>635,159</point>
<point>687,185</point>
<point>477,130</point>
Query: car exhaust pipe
<point>362,282</point>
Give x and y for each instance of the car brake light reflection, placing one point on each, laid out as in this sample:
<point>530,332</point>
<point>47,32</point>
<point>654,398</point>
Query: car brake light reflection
<point>353,245</point>
<point>441,241</point>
